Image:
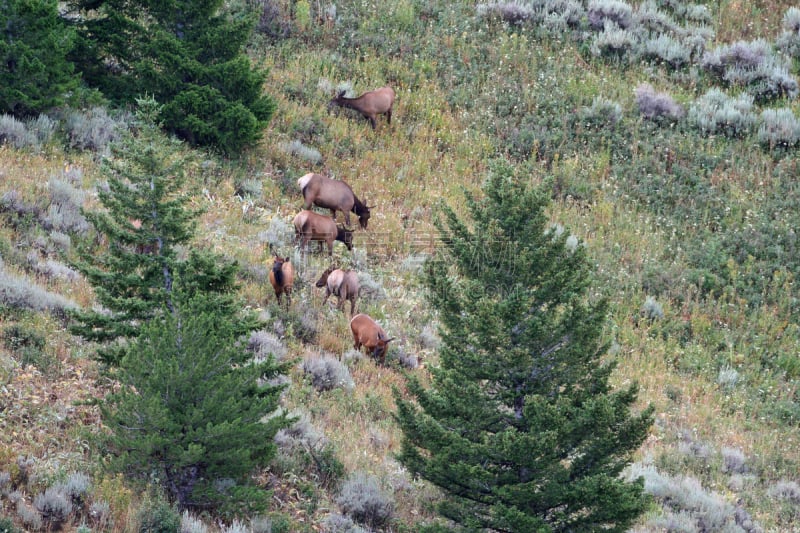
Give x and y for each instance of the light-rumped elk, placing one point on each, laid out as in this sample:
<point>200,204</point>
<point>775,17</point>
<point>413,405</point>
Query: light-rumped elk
<point>341,283</point>
<point>335,195</point>
<point>282,278</point>
<point>370,104</point>
<point>311,226</point>
<point>367,333</point>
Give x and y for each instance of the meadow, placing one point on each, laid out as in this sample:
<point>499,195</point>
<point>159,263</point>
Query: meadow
<point>685,198</point>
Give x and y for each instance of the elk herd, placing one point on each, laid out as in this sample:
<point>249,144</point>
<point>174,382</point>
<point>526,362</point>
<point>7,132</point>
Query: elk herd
<point>336,195</point>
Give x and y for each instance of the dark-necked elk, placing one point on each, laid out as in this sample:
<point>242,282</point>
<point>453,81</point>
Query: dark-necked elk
<point>370,104</point>
<point>311,226</point>
<point>341,283</point>
<point>281,276</point>
<point>367,333</point>
<point>332,194</point>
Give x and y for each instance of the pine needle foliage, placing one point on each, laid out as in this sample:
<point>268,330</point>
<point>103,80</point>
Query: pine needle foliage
<point>190,407</point>
<point>520,427</point>
<point>188,54</point>
<point>145,220</point>
<point>34,72</point>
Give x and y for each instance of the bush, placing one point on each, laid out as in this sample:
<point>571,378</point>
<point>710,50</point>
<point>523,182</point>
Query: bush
<point>734,461</point>
<point>279,234</point>
<point>511,12</point>
<point>613,42</point>
<point>93,130</point>
<point>28,515</point>
<point>603,12</point>
<point>788,41</point>
<point>306,153</point>
<point>14,132</point>
<point>717,113</point>
<point>364,501</point>
<point>785,490</point>
<point>54,505</point>
<point>602,114</point>
<point>20,293</point>
<point>7,526</point>
<point>657,106</point>
<point>263,343</point>
<point>327,373</point>
<point>158,516</point>
<point>667,50</point>
<point>778,128</point>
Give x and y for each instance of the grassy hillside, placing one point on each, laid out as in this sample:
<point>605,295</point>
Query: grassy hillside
<point>693,232</point>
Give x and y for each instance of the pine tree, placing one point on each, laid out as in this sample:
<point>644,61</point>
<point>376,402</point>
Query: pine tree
<point>34,72</point>
<point>145,222</point>
<point>188,54</point>
<point>520,427</point>
<point>191,407</point>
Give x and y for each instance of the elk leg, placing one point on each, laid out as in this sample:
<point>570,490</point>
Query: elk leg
<point>389,116</point>
<point>372,121</point>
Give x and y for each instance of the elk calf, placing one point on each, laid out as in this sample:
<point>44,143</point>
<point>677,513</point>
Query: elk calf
<point>367,333</point>
<point>341,283</point>
<point>282,279</point>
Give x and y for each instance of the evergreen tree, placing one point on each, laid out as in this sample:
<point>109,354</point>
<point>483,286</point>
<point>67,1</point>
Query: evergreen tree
<point>190,411</point>
<point>145,222</point>
<point>520,427</point>
<point>188,54</point>
<point>34,72</point>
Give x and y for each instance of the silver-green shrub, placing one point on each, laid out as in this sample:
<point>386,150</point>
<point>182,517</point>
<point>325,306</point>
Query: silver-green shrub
<point>263,343</point>
<point>778,128</point>
<point>613,42</point>
<point>326,373</point>
<point>602,114</point>
<point>667,50</point>
<point>54,505</point>
<point>733,461</point>
<point>279,234</point>
<point>785,490</point>
<point>337,523</point>
<point>363,500</point>
<point>15,133</point>
<point>651,309</point>
<point>602,12</point>
<point>29,515</point>
<point>788,41</point>
<point>514,12</point>
<point>717,113</point>
<point>20,293</point>
<point>64,213</point>
<point>657,106</point>
<point>92,130</point>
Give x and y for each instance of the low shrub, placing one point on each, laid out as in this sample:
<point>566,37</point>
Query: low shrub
<point>717,113</point>
<point>362,498</point>
<point>778,128</point>
<point>54,505</point>
<point>158,516</point>
<point>657,106</point>
<point>613,43</point>
<point>327,372</point>
<point>603,12</point>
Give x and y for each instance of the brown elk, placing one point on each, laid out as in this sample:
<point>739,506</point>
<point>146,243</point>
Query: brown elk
<point>311,226</point>
<point>370,104</point>
<point>335,195</point>
<point>341,283</point>
<point>367,333</point>
<point>282,278</point>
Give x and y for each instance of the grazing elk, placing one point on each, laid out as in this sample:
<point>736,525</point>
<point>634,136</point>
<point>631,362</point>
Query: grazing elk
<point>282,278</point>
<point>341,283</point>
<point>333,194</point>
<point>370,104</point>
<point>311,226</point>
<point>367,333</point>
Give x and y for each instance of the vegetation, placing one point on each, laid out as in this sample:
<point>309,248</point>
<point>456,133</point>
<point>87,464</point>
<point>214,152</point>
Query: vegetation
<point>519,426</point>
<point>668,147</point>
<point>35,75</point>
<point>190,408</point>
<point>188,55</point>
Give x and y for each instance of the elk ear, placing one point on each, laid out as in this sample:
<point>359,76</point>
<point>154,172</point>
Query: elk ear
<point>390,340</point>
<point>341,93</point>
<point>287,259</point>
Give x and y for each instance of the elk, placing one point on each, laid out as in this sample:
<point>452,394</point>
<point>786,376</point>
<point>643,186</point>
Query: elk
<point>311,226</point>
<point>341,283</point>
<point>367,333</point>
<point>370,104</point>
<point>335,195</point>
<point>282,278</point>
